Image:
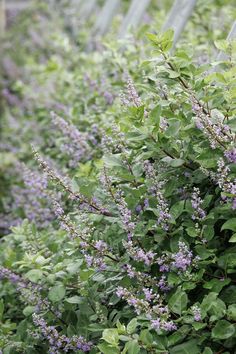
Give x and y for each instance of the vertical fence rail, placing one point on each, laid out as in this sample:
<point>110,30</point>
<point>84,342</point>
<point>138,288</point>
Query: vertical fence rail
<point>178,17</point>
<point>106,16</point>
<point>134,15</point>
<point>87,7</point>
<point>2,17</point>
<point>232,35</point>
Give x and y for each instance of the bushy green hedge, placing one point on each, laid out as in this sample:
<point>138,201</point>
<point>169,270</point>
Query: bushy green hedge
<point>130,199</point>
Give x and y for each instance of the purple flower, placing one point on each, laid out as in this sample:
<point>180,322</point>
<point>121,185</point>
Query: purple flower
<point>108,97</point>
<point>138,208</point>
<point>120,292</point>
<point>197,313</point>
<point>138,254</point>
<point>130,271</point>
<point>146,203</point>
<point>156,324</point>
<point>214,129</point>
<point>59,342</point>
<point>169,326</point>
<point>75,142</point>
<point>101,246</point>
<point>126,216</point>
<point>231,155</point>
<point>196,202</point>
<point>156,191</point>
<point>148,294</point>
<point>183,258</point>
<point>162,284</point>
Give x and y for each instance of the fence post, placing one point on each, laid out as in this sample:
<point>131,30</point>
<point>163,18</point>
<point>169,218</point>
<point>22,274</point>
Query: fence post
<point>105,17</point>
<point>134,15</point>
<point>232,35</point>
<point>87,7</point>
<point>2,17</point>
<point>178,17</point>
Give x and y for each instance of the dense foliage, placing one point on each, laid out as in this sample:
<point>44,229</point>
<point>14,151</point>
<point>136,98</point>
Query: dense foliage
<point>118,187</point>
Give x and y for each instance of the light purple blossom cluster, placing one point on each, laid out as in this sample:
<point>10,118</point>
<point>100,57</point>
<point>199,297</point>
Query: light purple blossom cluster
<point>183,258</point>
<point>156,190</point>
<point>65,222</point>
<point>32,198</point>
<point>30,292</point>
<point>131,98</point>
<point>180,260</point>
<point>102,88</point>
<point>75,144</point>
<point>100,247</point>
<point>65,183</point>
<point>225,183</point>
<point>217,132</point>
<point>143,279</point>
<point>196,201</point>
<point>143,206</point>
<point>230,154</point>
<point>126,215</point>
<point>12,99</point>
<point>151,305</point>
<point>57,342</point>
<point>197,313</point>
<point>163,325</point>
<point>114,143</point>
<point>95,262</point>
<point>148,294</point>
<point>97,259</point>
<point>138,254</point>
<point>163,284</point>
<point>140,305</point>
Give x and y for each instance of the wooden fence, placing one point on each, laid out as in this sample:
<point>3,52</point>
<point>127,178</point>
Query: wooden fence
<point>177,18</point>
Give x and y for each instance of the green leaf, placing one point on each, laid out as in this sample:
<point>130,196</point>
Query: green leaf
<point>155,115</point>
<point>106,348</point>
<point>216,285</point>
<point>131,347</point>
<point>132,326</point>
<point>233,238</point>
<point>192,232</point>
<point>74,300</point>
<point>186,348</point>
<point>207,350</point>
<point>173,74</point>
<point>229,225</point>
<point>177,209</point>
<point>173,128</point>
<point>121,328</point>
<point>223,330</point>
<point>112,161</point>
<point>176,162</point>
<point>57,293</point>
<point>153,38</point>
<point>222,44</point>
<point>28,310</point>
<point>34,275</point>
<point>111,336</point>
<point>167,40</point>
<point>228,295</point>
<point>231,312</point>
<point>146,337</point>
<point>178,302</point>
<point>213,305</point>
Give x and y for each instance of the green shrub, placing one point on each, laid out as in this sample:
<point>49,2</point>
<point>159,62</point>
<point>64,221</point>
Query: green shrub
<point>143,260</point>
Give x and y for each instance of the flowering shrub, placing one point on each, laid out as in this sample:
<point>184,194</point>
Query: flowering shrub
<point>128,242</point>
